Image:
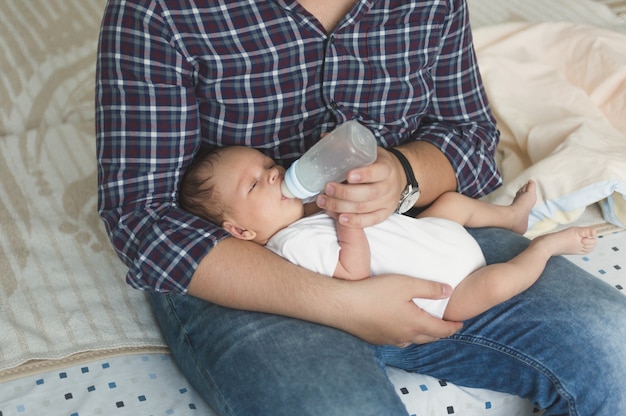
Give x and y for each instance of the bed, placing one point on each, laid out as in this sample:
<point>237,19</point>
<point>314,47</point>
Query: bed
<point>76,340</point>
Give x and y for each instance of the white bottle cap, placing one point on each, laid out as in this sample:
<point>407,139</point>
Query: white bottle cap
<point>291,187</point>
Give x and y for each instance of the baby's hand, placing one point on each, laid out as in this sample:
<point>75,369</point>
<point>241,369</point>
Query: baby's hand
<point>311,208</point>
<point>331,214</point>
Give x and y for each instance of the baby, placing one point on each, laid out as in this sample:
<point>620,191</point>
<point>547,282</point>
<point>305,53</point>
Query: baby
<point>238,188</point>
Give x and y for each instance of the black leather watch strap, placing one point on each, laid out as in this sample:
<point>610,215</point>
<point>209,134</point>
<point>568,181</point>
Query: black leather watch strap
<point>408,170</point>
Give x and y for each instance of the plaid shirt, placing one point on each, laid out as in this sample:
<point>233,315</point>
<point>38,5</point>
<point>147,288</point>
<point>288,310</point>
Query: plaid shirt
<point>174,75</point>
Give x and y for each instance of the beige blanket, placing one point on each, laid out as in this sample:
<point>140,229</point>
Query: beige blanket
<point>558,91</point>
<point>62,289</point>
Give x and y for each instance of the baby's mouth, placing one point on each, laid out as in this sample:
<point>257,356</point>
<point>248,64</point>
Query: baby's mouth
<point>282,192</point>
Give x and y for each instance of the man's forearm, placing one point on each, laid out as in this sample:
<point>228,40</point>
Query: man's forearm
<point>244,275</point>
<point>431,168</point>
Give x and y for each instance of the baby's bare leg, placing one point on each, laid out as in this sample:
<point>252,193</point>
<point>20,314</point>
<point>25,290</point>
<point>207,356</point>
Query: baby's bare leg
<point>574,240</point>
<point>474,213</point>
<point>495,283</point>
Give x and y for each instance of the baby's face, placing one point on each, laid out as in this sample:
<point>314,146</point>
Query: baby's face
<point>249,185</point>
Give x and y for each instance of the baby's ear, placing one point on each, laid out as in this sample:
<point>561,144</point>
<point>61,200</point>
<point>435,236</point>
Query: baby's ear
<point>238,231</point>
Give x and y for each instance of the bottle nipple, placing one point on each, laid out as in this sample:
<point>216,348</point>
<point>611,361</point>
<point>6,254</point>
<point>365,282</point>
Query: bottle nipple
<point>292,187</point>
<point>286,192</point>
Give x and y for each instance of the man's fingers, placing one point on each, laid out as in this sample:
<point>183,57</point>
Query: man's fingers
<point>434,329</point>
<point>428,289</point>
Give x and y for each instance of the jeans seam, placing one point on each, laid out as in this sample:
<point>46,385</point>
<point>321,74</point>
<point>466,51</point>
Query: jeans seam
<point>527,360</point>
<point>212,385</point>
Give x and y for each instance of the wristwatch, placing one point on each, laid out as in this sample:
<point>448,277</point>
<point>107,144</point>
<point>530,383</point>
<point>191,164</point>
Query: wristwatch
<point>411,193</point>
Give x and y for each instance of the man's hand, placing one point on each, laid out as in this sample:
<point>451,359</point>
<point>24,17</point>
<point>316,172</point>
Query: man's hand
<point>380,310</point>
<point>370,195</point>
<point>372,192</point>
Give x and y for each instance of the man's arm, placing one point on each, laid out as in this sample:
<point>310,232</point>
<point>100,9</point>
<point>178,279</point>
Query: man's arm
<point>147,130</point>
<point>379,310</point>
<point>453,148</point>
<point>431,167</point>
<point>459,122</point>
<point>381,184</point>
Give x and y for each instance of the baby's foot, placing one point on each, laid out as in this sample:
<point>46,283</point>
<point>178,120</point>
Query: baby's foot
<point>574,240</point>
<point>524,201</point>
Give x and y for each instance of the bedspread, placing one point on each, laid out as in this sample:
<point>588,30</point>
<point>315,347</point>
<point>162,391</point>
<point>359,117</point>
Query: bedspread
<point>558,91</point>
<point>62,293</point>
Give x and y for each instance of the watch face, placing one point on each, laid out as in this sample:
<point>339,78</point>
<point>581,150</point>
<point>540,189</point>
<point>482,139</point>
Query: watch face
<point>409,200</point>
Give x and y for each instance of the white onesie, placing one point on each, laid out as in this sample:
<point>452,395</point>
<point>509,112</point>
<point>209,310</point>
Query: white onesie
<point>428,248</point>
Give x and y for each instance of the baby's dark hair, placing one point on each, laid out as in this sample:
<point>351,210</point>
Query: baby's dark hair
<point>197,194</point>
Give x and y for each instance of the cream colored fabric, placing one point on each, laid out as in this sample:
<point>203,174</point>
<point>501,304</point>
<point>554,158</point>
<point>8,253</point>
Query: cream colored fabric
<point>558,91</point>
<point>608,14</point>
<point>62,288</point>
<point>616,6</point>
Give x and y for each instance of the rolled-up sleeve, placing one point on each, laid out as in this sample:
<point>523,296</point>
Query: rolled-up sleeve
<point>147,130</point>
<point>459,121</point>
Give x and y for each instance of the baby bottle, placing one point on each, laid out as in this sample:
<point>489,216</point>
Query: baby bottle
<point>349,146</point>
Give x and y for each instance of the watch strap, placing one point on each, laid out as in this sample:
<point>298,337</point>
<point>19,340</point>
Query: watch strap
<point>408,170</point>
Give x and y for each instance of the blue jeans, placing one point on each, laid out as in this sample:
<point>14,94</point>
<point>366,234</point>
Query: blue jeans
<point>562,344</point>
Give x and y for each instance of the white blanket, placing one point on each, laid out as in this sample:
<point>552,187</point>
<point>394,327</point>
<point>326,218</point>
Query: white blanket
<point>558,91</point>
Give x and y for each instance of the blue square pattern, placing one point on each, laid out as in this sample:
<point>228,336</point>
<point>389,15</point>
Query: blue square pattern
<point>95,389</point>
<point>606,261</point>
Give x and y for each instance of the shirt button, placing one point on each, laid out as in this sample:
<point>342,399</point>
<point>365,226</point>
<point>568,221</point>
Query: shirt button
<point>332,39</point>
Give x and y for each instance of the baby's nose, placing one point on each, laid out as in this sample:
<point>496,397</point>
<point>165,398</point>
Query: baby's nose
<point>273,175</point>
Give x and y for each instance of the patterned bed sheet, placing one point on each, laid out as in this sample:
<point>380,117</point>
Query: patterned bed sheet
<point>151,384</point>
